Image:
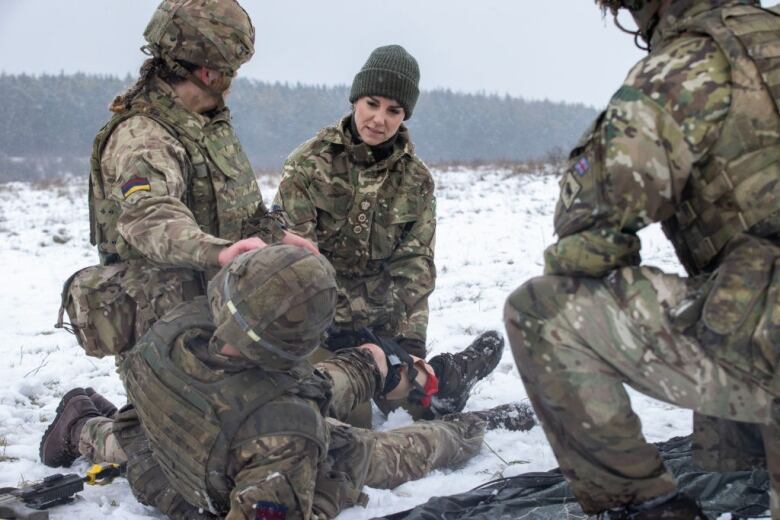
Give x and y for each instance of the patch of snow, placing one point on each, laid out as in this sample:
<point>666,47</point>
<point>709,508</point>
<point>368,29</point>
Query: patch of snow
<point>492,230</point>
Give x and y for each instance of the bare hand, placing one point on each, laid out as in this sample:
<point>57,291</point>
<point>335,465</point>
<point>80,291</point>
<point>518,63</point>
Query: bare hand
<point>292,239</point>
<point>242,246</point>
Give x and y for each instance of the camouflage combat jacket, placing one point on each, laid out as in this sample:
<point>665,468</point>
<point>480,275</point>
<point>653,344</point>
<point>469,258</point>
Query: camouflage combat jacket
<point>169,189</point>
<point>374,221</point>
<point>229,437</point>
<point>692,140</point>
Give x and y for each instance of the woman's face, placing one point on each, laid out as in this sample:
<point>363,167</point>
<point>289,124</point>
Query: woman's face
<point>377,118</point>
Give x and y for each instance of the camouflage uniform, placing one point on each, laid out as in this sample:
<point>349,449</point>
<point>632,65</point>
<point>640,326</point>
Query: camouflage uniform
<point>168,209</point>
<point>375,222</point>
<point>170,188</point>
<point>299,463</point>
<point>691,140</point>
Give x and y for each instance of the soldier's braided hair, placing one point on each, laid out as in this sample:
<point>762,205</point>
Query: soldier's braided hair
<point>148,70</point>
<point>153,67</point>
<point>613,5</point>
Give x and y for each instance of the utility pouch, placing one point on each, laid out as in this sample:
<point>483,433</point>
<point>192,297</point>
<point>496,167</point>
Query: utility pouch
<point>767,336</point>
<point>102,315</point>
<point>735,303</point>
<point>341,477</point>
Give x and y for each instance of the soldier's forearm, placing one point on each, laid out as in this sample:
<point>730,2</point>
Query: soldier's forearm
<point>592,253</point>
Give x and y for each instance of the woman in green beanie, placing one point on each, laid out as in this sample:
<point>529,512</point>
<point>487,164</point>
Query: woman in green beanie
<point>358,191</point>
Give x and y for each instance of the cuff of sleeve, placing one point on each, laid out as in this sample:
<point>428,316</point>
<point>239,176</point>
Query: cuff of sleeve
<point>592,253</point>
<point>211,254</point>
<point>267,228</point>
<point>415,347</point>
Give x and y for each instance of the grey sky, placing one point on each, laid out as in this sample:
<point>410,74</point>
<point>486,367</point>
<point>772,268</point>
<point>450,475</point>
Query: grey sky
<point>559,50</point>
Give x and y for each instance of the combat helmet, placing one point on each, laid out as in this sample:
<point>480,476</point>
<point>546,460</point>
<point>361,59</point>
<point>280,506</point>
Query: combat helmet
<point>645,13</point>
<point>274,304</point>
<point>216,34</point>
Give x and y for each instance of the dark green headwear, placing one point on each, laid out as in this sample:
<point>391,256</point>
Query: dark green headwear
<point>390,72</point>
<point>274,304</point>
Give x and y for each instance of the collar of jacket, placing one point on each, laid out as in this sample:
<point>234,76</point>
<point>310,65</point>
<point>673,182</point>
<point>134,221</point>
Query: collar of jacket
<point>680,12</point>
<point>360,153</point>
<point>160,96</point>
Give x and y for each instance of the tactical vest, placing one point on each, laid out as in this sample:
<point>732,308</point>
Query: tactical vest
<point>222,191</point>
<point>190,424</point>
<point>736,188</point>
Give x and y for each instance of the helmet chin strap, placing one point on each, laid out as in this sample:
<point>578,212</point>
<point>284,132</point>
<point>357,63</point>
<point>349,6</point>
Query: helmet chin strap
<point>174,66</point>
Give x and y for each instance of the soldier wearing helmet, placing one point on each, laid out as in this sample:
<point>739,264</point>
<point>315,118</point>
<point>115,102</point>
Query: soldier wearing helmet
<point>171,190</point>
<point>228,415</point>
<point>690,140</point>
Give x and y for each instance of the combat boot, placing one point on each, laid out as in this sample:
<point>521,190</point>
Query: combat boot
<point>104,406</point>
<point>458,373</point>
<point>60,444</point>
<point>515,417</point>
<point>677,506</point>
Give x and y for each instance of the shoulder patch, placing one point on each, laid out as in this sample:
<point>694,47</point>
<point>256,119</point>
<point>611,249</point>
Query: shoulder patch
<point>270,511</point>
<point>570,188</point>
<point>135,185</point>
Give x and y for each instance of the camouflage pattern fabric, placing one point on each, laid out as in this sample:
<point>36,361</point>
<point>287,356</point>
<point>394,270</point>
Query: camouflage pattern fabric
<point>274,304</point>
<point>676,144</point>
<point>720,445</point>
<point>281,470</point>
<point>353,383</point>
<point>98,444</point>
<point>167,203</point>
<point>374,221</point>
<point>216,34</point>
<point>577,340</point>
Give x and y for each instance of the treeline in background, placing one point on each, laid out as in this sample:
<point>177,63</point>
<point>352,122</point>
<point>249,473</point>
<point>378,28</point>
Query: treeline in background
<point>48,122</point>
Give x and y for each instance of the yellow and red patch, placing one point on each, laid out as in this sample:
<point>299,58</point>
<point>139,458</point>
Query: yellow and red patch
<point>135,185</point>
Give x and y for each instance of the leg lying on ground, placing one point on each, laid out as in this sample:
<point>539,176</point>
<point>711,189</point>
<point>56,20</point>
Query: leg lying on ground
<point>412,452</point>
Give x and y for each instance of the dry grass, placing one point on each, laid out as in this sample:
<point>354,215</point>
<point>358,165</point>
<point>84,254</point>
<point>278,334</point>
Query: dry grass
<point>3,447</point>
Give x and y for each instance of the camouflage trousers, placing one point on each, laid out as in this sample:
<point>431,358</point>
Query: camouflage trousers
<point>394,457</point>
<point>577,340</point>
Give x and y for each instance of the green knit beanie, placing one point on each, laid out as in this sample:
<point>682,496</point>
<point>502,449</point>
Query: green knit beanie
<point>390,72</point>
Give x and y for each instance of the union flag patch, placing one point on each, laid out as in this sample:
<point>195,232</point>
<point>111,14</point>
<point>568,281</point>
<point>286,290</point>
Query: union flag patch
<point>135,185</point>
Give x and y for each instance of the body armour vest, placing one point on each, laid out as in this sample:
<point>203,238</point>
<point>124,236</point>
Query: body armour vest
<point>736,187</point>
<point>222,191</point>
<point>190,423</point>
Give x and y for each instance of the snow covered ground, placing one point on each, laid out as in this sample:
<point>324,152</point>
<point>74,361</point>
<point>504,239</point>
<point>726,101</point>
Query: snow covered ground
<point>493,227</point>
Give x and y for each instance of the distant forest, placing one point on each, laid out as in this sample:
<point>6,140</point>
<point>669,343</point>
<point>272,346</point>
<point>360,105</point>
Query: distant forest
<point>48,122</point>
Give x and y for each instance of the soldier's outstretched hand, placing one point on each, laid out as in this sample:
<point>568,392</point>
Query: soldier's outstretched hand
<point>242,246</point>
<point>291,239</point>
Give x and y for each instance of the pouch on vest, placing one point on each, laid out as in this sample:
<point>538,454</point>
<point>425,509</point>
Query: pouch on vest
<point>341,477</point>
<point>102,315</point>
<point>767,336</point>
<point>735,303</point>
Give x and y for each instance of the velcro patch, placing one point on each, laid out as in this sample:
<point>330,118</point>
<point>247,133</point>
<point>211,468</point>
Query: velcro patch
<point>270,511</point>
<point>135,185</point>
<point>570,188</point>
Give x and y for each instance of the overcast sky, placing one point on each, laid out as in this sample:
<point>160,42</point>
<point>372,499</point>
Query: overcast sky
<point>560,50</point>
